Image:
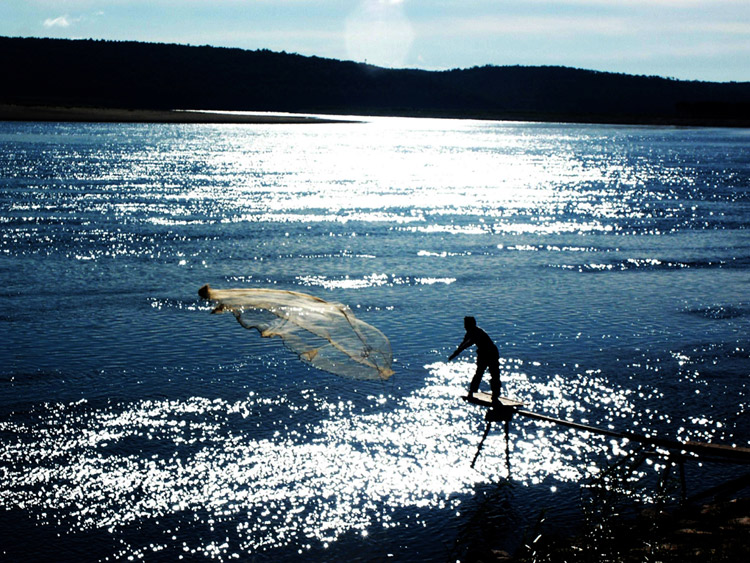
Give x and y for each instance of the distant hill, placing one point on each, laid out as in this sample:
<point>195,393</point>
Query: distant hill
<point>134,75</point>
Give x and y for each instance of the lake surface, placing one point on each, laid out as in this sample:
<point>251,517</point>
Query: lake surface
<point>610,264</point>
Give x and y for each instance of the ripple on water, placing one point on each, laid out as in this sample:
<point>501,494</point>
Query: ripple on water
<point>276,471</point>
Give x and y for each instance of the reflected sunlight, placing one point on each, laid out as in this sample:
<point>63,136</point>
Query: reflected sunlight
<point>326,469</point>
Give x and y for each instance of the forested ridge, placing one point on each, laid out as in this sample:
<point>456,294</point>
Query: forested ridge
<point>133,75</point>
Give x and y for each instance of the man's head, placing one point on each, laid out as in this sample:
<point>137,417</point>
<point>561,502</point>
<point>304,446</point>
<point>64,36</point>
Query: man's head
<point>469,322</point>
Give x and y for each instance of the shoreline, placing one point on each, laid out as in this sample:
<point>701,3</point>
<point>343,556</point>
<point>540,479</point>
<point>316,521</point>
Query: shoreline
<point>9,112</point>
<point>81,114</point>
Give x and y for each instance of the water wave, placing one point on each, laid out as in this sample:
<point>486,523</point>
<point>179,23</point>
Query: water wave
<point>722,312</point>
<point>656,264</point>
<point>373,280</point>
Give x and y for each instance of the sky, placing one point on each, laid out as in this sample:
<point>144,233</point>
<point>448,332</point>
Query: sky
<point>685,39</point>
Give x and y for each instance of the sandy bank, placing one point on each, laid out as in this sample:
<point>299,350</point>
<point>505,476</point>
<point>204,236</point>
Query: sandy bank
<point>111,115</point>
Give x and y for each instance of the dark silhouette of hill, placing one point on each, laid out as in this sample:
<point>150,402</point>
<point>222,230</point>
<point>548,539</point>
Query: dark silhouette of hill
<point>135,75</point>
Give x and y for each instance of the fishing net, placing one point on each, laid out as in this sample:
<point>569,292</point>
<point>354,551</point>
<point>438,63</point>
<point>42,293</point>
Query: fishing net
<point>326,335</point>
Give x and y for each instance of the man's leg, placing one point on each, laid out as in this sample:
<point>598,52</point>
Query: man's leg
<point>477,379</point>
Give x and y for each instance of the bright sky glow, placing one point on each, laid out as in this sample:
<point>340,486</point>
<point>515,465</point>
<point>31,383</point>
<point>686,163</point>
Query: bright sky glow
<point>689,39</point>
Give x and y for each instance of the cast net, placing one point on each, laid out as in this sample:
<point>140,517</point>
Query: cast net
<point>326,335</point>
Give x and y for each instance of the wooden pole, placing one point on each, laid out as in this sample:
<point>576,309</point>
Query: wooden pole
<point>481,443</point>
<point>716,451</point>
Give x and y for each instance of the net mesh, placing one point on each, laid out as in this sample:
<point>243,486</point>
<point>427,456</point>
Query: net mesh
<point>324,334</point>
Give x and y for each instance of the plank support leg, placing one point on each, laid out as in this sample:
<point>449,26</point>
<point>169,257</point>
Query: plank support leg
<point>481,443</point>
<point>507,446</point>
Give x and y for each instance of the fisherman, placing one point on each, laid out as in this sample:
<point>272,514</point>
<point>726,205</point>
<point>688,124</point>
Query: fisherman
<point>487,357</point>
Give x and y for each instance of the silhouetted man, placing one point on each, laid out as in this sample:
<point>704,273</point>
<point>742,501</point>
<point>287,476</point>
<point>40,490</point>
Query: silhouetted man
<point>487,357</point>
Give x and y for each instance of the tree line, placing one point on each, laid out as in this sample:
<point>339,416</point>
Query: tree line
<point>134,75</point>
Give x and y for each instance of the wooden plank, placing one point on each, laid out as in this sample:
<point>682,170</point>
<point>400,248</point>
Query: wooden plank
<point>720,450</point>
<point>727,453</point>
<point>485,400</point>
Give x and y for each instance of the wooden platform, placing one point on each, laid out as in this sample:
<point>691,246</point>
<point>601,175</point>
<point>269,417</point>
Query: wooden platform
<point>678,452</point>
<point>485,400</point>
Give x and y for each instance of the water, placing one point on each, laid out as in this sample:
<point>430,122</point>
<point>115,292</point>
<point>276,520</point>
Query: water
<point>610,264</point>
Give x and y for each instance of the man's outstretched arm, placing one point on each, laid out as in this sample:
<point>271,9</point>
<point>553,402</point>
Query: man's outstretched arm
<point>461,347</point>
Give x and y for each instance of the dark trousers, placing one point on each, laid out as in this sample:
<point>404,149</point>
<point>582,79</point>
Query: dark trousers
<point>484,362</point>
